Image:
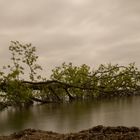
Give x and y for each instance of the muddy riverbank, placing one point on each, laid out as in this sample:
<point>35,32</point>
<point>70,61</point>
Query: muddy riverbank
<point>95,133</point>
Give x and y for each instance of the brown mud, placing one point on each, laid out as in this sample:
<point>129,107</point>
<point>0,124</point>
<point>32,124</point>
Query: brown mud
<point>96,133</point>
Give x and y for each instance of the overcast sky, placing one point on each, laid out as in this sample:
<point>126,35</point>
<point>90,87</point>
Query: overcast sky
<point>78,31</point>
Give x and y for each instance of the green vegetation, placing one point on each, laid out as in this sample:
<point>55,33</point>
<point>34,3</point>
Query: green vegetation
<point>67,82</point>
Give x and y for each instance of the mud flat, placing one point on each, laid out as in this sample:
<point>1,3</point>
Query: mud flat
<point>96,133</point>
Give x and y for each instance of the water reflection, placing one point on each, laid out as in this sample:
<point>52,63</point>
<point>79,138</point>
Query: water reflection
<point>72,117</point>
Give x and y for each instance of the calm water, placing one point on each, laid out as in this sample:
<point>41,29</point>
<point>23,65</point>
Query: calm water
<point>72,117</point>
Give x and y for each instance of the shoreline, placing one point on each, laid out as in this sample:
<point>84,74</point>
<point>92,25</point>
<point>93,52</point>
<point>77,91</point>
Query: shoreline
<point>98,133</point>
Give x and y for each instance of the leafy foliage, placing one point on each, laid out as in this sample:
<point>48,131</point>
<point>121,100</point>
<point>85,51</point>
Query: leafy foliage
<point>66,81</point>
<point>23,57</point>
<point>107,80</point>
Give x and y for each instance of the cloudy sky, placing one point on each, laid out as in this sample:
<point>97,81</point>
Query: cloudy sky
<point>78,31</point>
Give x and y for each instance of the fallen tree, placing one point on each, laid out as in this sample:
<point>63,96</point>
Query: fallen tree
<point>67,82</point>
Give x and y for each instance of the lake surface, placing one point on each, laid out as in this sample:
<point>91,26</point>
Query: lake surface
<point>72,117</point>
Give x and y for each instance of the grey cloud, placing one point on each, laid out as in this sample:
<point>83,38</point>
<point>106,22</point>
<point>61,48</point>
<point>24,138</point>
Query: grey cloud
<point>124,53</point>
<point>80,31</point>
